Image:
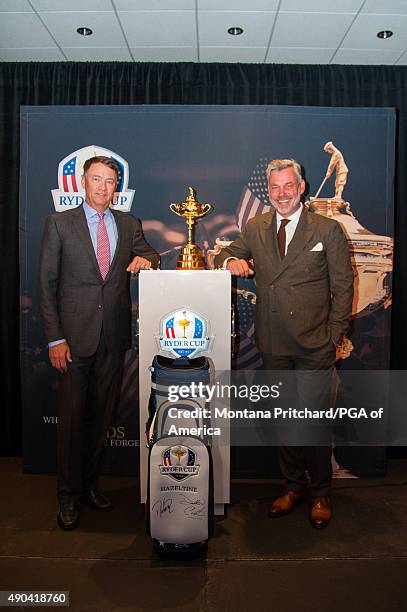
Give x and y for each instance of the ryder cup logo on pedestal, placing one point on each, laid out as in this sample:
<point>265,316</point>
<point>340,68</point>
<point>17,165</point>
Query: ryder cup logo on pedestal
<point>184,333</point>
<point>70,193</point>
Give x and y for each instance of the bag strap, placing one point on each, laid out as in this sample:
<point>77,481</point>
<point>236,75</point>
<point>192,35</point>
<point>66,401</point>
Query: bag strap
<point>153,435</point>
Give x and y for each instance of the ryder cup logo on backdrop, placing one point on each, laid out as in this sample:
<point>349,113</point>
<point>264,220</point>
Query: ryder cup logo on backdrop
<point>184,333</point>
<point>70,193</point>
<point>179,462</point>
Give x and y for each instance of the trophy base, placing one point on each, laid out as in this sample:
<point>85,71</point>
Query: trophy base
<point>191,258</point>
<point>328,207</point>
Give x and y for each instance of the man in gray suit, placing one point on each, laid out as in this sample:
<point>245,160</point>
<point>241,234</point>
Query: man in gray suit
<point>87,256</point>
<point>304,282</point>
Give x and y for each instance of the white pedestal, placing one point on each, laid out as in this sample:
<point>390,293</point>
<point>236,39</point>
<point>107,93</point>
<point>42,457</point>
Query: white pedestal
<point>208,293</point>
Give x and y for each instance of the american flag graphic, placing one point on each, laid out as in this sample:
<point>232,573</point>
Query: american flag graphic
<point>247,354</point>
<point>129,385</point>
<point>167,457</point>
<point>255,199</point>
<point>248,357</point>
<point>68,175</point>
<point>169,328</point>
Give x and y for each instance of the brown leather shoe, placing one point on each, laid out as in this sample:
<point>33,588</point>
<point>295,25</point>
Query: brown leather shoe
<point>320,512</point>
<point>284,504</point>
<point>68,515</point>
<point>97,500</point>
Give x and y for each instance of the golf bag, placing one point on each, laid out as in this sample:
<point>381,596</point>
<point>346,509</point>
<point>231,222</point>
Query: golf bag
<point>180,510</point>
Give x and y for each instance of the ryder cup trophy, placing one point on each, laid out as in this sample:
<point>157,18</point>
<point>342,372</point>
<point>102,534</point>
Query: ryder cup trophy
<point>191,256</point>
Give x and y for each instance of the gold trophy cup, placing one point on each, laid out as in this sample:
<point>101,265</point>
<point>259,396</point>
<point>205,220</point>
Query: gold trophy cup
<point>191,256</point>
<point>184,323</point>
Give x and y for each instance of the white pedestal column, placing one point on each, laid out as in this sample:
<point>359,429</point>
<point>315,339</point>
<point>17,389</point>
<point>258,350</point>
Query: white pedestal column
<point>208,293</point>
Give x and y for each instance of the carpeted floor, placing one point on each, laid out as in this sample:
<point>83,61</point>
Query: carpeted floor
<point>107,564</point>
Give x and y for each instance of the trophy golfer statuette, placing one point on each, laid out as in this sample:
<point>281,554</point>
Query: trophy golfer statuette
<point>191,256</point>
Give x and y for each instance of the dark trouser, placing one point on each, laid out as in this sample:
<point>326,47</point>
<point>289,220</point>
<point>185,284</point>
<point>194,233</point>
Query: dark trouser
<point>87,397</point>
<point>314,392</point>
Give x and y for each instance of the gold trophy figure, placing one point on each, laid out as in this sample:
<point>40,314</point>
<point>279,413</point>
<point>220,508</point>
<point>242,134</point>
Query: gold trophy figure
<point>184,323</point>
<point>191,256</point>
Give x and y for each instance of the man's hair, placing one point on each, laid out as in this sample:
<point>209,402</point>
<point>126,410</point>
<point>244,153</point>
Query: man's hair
<point>276,165</point>
<point>102,159</point>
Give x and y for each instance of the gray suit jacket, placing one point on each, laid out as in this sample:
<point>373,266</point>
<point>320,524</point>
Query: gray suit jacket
<point>304,301</point>
<point>74,299</point>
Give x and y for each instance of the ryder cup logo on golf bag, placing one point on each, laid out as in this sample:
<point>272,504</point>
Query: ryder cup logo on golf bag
<point>180,476</point>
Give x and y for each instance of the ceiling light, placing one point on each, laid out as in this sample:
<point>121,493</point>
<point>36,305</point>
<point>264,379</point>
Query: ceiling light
<point>84,31</point>
<point>385,34</point>
<point>235,31</point>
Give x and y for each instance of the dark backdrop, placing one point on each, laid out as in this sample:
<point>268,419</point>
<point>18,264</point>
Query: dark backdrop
<point>184,83</point>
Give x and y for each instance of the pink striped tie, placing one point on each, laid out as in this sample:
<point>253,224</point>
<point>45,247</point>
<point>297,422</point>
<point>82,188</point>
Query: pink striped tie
<point>103,247</point>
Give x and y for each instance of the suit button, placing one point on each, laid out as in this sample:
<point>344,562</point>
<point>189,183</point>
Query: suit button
<point>291,313</point>
<point>100,307</point>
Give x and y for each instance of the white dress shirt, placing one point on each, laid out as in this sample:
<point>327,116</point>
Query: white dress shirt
<point>290,227</point>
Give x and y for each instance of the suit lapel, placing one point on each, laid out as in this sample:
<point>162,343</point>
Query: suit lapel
<point>268,238</point>
<point>271,238</point>
<point>302,236</point>
<point>80,226</point>
<point>118,220</point>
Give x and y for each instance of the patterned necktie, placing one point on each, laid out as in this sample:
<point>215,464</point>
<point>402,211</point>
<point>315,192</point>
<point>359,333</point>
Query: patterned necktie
<point>281,237</point>
<point>103,247</point>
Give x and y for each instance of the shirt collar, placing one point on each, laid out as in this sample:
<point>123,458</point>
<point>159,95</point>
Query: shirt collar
<point>91,212</point>
<point>294,217</point>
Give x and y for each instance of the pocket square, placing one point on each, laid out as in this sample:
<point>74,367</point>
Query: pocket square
<point>318,247</point>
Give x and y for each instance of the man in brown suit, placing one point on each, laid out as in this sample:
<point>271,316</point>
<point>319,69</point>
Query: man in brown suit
<point>87,256</point>
<point>304,282</point>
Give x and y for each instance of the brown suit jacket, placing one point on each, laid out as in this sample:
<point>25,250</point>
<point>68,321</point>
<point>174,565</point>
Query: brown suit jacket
<point>74,299</point>
<point>304,301</point>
